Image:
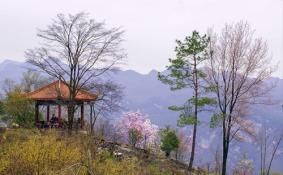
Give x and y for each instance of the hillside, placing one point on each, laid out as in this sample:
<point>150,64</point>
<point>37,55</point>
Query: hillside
<point>56,152</point>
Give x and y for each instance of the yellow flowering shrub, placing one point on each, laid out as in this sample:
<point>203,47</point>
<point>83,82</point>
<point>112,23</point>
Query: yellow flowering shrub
<point>37,155</point>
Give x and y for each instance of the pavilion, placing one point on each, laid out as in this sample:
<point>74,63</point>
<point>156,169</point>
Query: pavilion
<point>57,94</point>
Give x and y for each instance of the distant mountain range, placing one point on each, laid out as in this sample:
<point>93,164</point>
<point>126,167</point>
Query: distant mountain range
<point>145,93</point>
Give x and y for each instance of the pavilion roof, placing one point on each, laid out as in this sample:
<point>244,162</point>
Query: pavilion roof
<point>59,90</point>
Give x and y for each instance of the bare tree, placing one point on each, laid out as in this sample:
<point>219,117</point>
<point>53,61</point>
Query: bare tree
<point>8,86</point>
<point>106,130</point>
<point>109,99</point>
<point>269,146</point>
<point>217,161</point>
<point>76,50</point>
<point>32,80</point>
<point>29,81</point>
<point>238,67</point>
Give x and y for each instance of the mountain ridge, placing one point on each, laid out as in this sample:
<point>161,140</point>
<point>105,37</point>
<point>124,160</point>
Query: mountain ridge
<point>142,91</point>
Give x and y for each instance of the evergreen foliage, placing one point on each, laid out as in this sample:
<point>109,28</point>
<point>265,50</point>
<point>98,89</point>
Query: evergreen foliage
<point>169,141</point>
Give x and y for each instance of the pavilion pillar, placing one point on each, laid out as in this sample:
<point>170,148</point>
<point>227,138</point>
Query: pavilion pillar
<point>59,113</point>
<point>36,112</point>
<point>48,113</point>
<point>82,115</point>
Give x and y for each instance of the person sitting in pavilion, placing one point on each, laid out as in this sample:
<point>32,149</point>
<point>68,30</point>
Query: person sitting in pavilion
<point>54,121</point>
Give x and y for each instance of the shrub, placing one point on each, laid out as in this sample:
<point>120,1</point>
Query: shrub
<point>19,109</point>
<point>169,141</point>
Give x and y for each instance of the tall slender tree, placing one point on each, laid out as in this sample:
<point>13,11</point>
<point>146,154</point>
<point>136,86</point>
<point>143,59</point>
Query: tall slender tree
<point>185,72</point>
<point>76,50</point>
<point>237,70</point>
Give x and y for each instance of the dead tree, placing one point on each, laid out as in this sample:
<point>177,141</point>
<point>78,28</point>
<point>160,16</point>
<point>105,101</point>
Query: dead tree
<point>76,50</point>
<point>237,69</point>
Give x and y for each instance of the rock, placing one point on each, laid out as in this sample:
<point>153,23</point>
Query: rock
<point>15,125</point>
<point>118,155</point>
<point>83,132</point>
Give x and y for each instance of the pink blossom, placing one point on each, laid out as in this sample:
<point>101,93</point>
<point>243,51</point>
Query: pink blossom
<point>140,122</point>
<point>185,144</point>
<point>185,141</point>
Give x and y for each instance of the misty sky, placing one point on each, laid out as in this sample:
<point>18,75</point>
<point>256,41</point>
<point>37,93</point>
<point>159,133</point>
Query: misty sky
<point>151,26</point>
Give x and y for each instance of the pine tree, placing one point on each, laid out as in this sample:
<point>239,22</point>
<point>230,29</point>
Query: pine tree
<point>185,72</point>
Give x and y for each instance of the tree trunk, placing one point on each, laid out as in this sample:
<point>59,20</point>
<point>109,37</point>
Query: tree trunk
<point>193,148</point>
<point>71,111</point>
<point>195,115</point>
<point>224,163</point>
<point>226,142</point>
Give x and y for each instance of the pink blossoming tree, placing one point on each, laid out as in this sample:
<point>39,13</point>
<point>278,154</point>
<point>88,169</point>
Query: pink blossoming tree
<point>138,122</point>
<point>185,145</point>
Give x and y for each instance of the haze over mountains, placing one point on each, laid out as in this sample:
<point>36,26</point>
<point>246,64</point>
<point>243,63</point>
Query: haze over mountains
<point>145,93</point>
